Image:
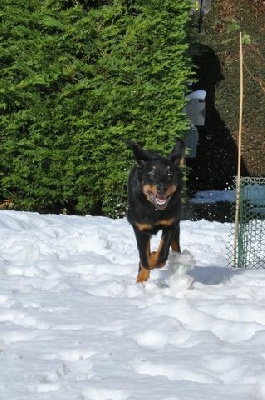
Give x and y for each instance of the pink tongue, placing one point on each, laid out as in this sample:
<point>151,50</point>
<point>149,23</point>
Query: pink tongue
<point>161,199</point>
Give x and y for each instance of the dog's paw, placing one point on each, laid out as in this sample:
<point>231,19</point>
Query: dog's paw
<point>143,275</point>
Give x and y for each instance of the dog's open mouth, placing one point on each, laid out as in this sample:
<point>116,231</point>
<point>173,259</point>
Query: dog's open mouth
<point>160,202</point>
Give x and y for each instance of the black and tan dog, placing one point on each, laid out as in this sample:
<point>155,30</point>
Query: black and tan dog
<point>154,196</point>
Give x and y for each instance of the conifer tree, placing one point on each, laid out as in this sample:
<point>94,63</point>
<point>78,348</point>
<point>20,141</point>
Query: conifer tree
<point>76,81</point>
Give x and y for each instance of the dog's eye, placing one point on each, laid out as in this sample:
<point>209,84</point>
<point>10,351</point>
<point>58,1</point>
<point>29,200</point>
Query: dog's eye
<point>169,173</point>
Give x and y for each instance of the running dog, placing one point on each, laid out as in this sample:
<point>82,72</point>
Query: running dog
<point>154,197</point>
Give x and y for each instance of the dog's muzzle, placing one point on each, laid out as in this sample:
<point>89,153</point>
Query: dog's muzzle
<point>159,201</point>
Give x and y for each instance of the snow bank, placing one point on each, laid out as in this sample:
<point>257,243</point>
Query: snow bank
<point>76,326</point>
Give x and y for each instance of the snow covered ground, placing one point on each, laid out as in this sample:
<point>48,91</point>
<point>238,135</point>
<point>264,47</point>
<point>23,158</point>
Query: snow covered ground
<point>212,196</point>
<point>74,325</point>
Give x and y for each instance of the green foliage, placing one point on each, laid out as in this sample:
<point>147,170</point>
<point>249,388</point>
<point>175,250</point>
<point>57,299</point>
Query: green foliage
<point>76,80</point>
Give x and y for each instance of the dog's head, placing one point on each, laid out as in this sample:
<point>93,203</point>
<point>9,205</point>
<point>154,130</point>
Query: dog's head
<point>159,176</point>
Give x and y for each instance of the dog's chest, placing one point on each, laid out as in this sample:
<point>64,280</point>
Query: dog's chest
<point>153,226</point>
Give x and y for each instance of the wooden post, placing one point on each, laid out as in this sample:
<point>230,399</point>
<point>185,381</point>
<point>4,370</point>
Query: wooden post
<point>237,204</point>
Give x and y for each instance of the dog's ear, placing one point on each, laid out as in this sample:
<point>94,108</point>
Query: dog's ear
<point>178,153</point>
<point>140,155</point>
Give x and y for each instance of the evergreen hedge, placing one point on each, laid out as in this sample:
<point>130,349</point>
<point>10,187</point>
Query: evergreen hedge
<point>76,80</point>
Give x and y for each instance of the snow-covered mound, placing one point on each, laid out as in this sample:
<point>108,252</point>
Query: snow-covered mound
<point>76,326</point>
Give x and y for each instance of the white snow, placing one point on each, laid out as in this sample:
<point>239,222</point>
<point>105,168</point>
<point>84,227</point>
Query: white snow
<point>212,196</point>
<point>197,95</point>
<point>74,325</point>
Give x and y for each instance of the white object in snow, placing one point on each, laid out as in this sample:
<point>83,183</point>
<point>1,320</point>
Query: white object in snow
<point>178,266</point>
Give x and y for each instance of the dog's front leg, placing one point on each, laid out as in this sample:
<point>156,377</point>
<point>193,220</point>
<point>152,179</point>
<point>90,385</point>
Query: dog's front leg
<point>143,245</point>
<point>161,255</point>
<point>175,246</point>
<point>151,260</point>
<point>155,259</point>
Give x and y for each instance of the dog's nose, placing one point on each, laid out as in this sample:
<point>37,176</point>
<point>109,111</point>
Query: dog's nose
<point>161,189</point>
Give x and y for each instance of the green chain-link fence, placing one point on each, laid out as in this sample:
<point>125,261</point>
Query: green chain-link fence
<point>247,245</point>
